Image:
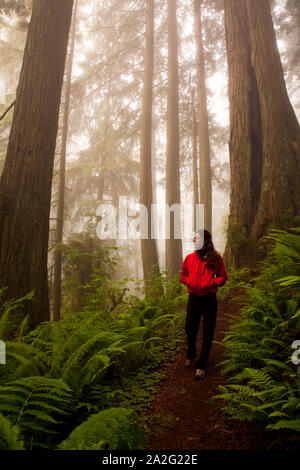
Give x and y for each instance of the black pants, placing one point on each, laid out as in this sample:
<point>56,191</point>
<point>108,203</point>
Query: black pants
<point>198,306</point>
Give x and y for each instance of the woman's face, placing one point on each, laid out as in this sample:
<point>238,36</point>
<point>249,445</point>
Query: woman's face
<point>198,241</point>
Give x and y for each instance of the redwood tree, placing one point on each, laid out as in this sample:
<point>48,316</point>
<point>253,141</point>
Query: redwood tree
<point>148,245</point>
<point>204,146</point>
<point>245,145</point>
<point>195,161</point>
<point>265,133</point>
<point>173,245</point>
<point>62,171</point>
<point>25,187</point>
<point>280,196</point>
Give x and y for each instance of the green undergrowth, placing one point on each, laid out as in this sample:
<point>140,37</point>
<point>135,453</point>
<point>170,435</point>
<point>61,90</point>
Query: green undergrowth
<point>238,280</point>
<point>261,365</point>
<point>86,381</point>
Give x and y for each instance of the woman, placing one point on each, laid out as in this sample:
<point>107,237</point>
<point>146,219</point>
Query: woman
<point>202,272</point>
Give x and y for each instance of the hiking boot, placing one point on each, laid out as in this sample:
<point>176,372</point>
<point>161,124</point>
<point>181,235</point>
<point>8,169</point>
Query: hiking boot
<point>200,374</point>
<point>188,362</point>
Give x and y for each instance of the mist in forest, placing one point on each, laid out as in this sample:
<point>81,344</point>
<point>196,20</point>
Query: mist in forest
<point>100,145</point>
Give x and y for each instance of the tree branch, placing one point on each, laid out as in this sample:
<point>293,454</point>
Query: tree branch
<point>5,112</point>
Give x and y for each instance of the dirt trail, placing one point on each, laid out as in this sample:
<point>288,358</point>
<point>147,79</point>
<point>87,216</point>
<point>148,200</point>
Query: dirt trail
<point>183,417</point>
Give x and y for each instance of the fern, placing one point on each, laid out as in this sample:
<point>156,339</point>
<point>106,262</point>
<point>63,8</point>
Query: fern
<point>34,404</point>
<point>293,425</point>
<point>77,359</point>
<point>258,344</point>
<point>13,325</point>
<point>9,435</point>
<point>292,281</point>
<point>57,373</point>
<point>109,429</point>
<point>24,360</point>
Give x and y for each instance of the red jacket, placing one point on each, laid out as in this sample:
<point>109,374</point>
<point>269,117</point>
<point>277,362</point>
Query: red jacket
<point>199,278</point>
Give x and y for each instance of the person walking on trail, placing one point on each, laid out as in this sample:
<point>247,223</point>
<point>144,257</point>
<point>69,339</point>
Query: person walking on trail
<point>203,271</point>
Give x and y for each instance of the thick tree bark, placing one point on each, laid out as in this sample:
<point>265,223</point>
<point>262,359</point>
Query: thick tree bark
<point>148,245</point>
<point>62,171</point>
<point>245,146</point>
<point>265,138</point>
<point>25,186</point>
<point>173,245</point>
<point>204,146</point>
<point>280,196</point>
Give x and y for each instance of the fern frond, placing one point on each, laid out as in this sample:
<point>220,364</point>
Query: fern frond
<point>98,341</point>
<point>113,429</point>
<point>9,435</point>
<point>293,424</point>
<point>278,414</point>
<point>32,401</point>
<point>279,365</point>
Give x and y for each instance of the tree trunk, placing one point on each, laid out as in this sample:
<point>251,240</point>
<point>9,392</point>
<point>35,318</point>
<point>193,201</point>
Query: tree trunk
<point>62,171</point>
<point>148,245</point>
<point>25,186</point>
<point>245,147</point>
<point>265,136</point>
<point>280,196</point>
<point>173,245</point>
<point>104,149</point>
<point>195,166</point>
<point>204,147</point>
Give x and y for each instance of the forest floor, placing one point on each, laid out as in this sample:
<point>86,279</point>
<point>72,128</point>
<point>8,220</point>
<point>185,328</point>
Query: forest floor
<point>183,415</point>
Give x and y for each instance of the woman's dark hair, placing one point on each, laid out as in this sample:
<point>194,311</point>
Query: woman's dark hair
<point>208,249</point>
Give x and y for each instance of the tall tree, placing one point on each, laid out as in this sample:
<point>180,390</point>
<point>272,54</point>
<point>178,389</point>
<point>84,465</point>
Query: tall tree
<point>25,187</point>
<point>173,245</point>
<point>195,161</point>
<point>265,134</point>
<point>148,244</point>
<point>62,171</point>
<point>280,196</point>
<point>245,146</point>
<point>204,146</point>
